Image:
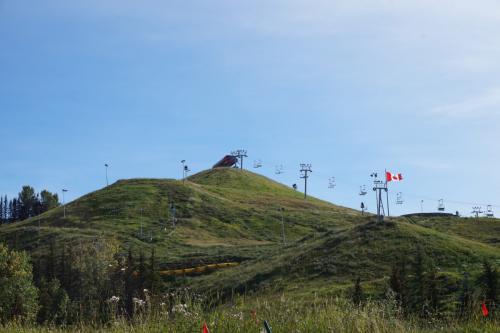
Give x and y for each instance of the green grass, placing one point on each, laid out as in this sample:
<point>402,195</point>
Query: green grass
<point>284,314</point>
<point>227,214</point>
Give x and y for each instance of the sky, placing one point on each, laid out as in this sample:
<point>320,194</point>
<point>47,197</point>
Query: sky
<point>351,87</point>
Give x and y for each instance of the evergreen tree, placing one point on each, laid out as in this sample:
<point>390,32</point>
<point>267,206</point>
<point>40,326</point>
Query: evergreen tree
<point>142,273</point>
<point>5,209</point>
<point>129,283</point>
<point>51,263</point>
<point>465,300</point>
<point>357,294</point>
<point>154,280</point>
<point>489,282</point>
<point>433,292</point>
<point>417,283</point>
<point>398,283</point>
<point>2,221</point>
<point>27,202</point>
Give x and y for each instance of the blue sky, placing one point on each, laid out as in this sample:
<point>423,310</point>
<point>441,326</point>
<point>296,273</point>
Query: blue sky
<point>351,87</point>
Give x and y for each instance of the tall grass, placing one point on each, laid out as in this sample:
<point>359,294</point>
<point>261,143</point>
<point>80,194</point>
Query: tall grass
<point>187,313</point>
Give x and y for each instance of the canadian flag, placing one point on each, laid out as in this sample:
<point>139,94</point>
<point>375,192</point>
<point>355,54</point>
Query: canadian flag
<point>393,176</point>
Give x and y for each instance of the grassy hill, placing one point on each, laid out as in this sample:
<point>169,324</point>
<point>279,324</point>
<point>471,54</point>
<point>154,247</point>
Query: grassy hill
<point>232,215</point>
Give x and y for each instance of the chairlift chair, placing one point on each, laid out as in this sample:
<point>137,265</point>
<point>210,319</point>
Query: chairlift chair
<point>279,170</point>
<point>489,211</point>
<point>362,190</point>
<point>440,205</point>
<point>399,198</point>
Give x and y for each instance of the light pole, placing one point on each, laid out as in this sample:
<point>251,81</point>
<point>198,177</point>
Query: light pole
<point>106,165</point>
<point>183,169</point>
<point>64,202</point>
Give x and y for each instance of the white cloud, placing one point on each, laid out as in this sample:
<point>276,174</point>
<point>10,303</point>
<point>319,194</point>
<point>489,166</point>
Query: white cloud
<point>485,104</point>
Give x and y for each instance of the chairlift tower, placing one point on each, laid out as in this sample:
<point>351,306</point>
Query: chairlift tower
<point>305,169</point>
<point>378,187</point>
<point>331,183</point>
<point>240,154</point>
<point>476,210</point>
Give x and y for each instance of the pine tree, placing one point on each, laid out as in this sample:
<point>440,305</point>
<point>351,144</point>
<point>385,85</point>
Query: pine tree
<point>26,202</point>
<point>417,283</point>
<point>433,297</point>
<point>465,300</point>
<point>129,283</point>
<point>489,282</point>
<point>142,273</point>
<point>398,283</point>
<point>1,212</point>
<point>357,294</point>
<point>154,276</point>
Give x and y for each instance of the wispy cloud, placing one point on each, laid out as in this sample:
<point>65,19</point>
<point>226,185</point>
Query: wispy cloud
<point>484,104</point>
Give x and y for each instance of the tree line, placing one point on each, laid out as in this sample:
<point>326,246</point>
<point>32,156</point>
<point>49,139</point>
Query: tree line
<point>27,204</point>
<point>417,288</point>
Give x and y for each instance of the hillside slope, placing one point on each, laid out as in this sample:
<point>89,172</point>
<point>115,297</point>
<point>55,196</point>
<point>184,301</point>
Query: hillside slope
<point>219,213</point>
<point>233,216</point>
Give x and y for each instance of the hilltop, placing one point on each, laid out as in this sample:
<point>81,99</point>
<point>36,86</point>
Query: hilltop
<point>233,216</point>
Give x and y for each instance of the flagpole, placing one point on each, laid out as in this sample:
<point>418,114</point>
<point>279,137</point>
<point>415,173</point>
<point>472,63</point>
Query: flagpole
<point>387,194</point>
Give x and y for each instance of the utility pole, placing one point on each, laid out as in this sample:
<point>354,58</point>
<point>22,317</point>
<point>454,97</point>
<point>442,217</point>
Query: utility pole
<point>106,165</point>
<point>305,169</point>
<point>64,202</point>
<point>282,210</point>
<point>378,187</point>
<point>240,154</point>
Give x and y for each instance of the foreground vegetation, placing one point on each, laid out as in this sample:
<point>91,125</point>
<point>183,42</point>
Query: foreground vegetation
<point>283,315</point>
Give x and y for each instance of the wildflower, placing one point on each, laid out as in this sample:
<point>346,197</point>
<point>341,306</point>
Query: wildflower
<point>114,299</point>
<point>138,302</point>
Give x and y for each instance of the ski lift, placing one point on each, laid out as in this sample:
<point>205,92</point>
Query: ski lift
<point>279,169</point>
<point>331,183</point>
<point>489,211</point>
<point>399,198</point>
<point>441,205</point>
<point>257,164</point>
<point>362,190</point>
<point>294,186</point>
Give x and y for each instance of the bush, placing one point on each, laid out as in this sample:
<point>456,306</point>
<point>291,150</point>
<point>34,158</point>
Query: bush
<point>18,295</point>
